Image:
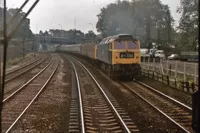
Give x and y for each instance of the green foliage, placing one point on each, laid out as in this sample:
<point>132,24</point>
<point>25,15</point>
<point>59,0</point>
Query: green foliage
<point>72,34</point>
<point>188,27</point>
<point>24,29</point>
<point>149,20</point>
<point>90,36</point>
<point>115,18</point>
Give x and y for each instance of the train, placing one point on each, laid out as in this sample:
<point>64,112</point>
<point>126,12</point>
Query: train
<point>117,55</point>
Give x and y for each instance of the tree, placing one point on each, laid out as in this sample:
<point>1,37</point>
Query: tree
<point>149,20</point>
<point>155,18</point>
<point>46,33</point>
<point>72,34</point>
<point>40,32</point>
<point>24,29</point>
<point>188,26</point>
<point>111,19</point>
<point>90,36</point>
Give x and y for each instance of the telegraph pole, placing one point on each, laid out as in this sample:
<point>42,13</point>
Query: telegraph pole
<point>5,42</point>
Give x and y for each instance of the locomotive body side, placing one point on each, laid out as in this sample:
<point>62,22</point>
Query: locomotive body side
<point>103,53</point>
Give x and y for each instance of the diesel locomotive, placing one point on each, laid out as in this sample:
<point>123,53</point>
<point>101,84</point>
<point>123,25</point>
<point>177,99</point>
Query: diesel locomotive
<point>118,55</point>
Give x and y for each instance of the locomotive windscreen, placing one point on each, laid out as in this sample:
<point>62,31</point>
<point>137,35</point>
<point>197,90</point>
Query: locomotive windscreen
<point>126,37</point>
<point>122,45</point>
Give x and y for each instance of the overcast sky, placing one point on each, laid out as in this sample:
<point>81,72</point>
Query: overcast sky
<point>57,14</point>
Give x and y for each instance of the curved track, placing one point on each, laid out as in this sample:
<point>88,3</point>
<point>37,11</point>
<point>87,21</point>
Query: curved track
<point>16,104</point>
<point>23,75</point>
<point>23,65</point>
<point>14,73</point>
<point>177,112</point>
<point>172,109</point>
<point>99,112</point>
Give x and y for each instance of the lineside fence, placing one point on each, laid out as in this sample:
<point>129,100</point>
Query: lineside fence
<point>177,74</point>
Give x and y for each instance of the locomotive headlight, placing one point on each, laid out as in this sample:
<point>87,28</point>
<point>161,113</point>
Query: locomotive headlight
<point>136,56</point>
<point>116,55</point>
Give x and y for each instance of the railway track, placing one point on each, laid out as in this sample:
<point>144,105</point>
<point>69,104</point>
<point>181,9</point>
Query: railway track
<point>92,108</point>
<point>23,65</point>
<point>14,73</point>
<point>16,104</point>
<point>175,111</point>
<point>15,83</point>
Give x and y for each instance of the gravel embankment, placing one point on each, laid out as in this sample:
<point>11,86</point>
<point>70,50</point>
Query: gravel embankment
<point>175,93</point>
<point>145,117</point>
<point>50,113</point>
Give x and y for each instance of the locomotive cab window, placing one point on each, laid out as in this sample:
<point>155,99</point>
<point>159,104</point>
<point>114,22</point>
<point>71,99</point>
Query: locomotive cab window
<point>119,45</point>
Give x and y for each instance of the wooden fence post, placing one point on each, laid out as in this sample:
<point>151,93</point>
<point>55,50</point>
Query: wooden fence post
<point>161,67</point>
<point>153,63</point>
<point>184,71</point>
<point>167,67</point>
<point>153,75</point>
<point>195,73</point>
<point>188,86</point>
<point>192,86</point>
<point>170,69</point>
<point>175,83</point>
<point>167,80</point>
<point>176,70</point>
<point>182,85</point>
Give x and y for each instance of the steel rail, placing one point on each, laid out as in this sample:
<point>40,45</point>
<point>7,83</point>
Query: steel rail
<point>8,80</point>
<point>23,65</point>
<point>164,95</point>
<point>104,94</point>
<point>168,117</point>
<point>36,96</point>
<point>80,97</point>
<point>24,85</point>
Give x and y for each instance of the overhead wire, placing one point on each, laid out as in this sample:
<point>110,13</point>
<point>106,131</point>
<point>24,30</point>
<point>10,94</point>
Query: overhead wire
<point>4,41</point>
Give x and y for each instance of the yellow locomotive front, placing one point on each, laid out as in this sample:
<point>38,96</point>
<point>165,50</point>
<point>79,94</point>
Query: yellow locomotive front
<point>126,55</point>
<point>119,55</point>
<point>126,52</point>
